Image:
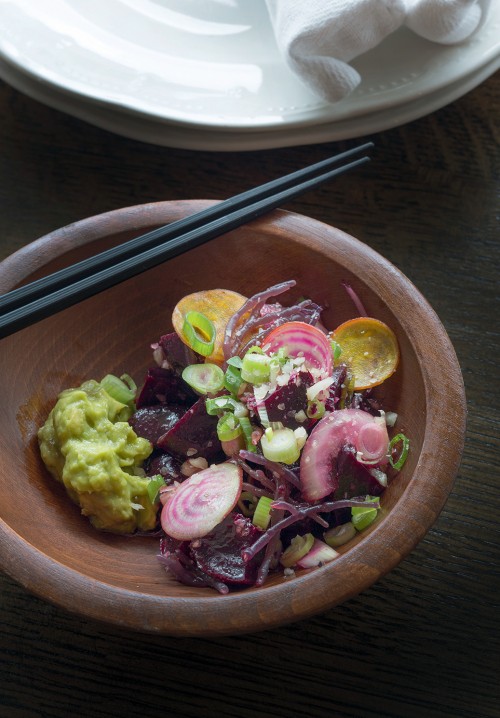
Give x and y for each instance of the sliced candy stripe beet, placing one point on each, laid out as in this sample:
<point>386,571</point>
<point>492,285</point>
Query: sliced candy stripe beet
<point>202,501</point>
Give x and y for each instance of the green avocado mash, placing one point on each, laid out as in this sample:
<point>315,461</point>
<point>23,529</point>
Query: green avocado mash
<point>88,444</point>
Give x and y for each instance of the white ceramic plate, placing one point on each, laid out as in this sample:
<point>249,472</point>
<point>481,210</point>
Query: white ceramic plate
<point>214,64</point>
<point>194,138</point>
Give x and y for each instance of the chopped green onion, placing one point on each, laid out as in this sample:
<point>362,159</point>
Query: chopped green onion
<point>262,513</point>
<point>154,486</point>
<point>263,415</point>
<point>235,361</point>
<point>117,389</point>
<point>220,403</point>
<point>404,451</point>
<point>228,428</point>
<point>339,535</point>
<point>247,429</point>
<point>336,349</point>
<point>232,379</point>
<point>299,547</point>
<point>204,378</point>
<point>347,391</point>
<point>315,409</point>
<point>199,332</point>
<point>280,446</point>
<point>247,503</point>
<point>127,379</point>
<point>255,367</point>
<point>363,516</point>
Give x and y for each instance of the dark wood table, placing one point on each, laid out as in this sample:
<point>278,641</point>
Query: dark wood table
<point>424,641</point>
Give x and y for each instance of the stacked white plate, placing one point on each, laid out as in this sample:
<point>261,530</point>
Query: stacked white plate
<point>207,74</point>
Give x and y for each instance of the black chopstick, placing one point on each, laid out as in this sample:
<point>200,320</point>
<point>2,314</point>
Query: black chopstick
<point>67,276</point>
<point>87,286</point>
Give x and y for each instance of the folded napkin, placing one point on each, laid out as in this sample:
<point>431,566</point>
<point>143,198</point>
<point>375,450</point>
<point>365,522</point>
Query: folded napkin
<point>318,38</point>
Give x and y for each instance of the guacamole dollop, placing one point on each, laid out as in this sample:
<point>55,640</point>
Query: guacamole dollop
<point>88,445</point>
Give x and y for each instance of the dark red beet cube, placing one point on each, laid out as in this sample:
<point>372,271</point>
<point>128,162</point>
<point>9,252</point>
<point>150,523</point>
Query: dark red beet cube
<point>287,401</point>
<point>194,435</point>
<point>354,478</point>
<point>162,386</point>
<point>176,353</point>
<point>218,554</point>
<point>151,422</point>
<point>167,466</point>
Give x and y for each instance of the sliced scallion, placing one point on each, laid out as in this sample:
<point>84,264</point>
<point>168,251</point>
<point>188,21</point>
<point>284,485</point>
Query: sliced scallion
<point>247,429</point>
<point>262,513</point>
<point>235,361</point>
<point>199,332</point>
<point>405,448</point>
<point>362,516</point>
<point>154,486</point>
<point>298,548</point>
<point>280,445</point>
<point>232,379</point>
<point>336,349</point>
<point>118,389</point>
<point>219,404</point>
<point>204,378</point>
<point>255,367</point>
<point>339,535</point>
<point>228,427</point>
<point>315,409</point>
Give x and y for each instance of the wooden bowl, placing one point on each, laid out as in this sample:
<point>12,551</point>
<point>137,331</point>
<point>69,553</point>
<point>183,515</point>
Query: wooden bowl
<point>48,547</point>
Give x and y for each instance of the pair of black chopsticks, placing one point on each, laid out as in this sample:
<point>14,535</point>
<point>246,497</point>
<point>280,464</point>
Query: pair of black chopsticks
<point>44,297</point>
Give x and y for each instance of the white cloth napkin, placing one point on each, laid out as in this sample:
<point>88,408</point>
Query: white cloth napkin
<point>318,38</point>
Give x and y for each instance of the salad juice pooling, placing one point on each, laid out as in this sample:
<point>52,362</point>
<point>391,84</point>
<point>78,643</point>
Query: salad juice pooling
<point>254,444</point>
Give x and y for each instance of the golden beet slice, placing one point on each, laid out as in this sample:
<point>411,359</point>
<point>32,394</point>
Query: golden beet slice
<point>369,348</point>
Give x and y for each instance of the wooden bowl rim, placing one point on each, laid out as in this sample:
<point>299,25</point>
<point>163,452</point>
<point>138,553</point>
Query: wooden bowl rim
<point>305,596</point>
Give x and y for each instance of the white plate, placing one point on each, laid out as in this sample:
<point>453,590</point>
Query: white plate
<point>194,138</point>
<point>214,64</point>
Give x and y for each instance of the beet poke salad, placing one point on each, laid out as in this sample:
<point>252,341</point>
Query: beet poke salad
<point>254,445</point>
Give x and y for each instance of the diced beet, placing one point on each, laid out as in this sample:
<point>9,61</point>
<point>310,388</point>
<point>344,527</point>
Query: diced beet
<point>287,401</point>
<point>194,435</point>
<point>177,354</point>
<point>167,466</point>
<point>354,478</point>
<point>339,375</point>
<point>151,422</point>
<point>162,386</point>
<point>218,554</point>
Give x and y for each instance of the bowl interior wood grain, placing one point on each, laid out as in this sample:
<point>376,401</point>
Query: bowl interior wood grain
<point>49,548</point>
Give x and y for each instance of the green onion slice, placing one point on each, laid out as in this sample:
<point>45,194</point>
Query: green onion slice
<point>228,427</point>
<point>199,332</point>
<point>247,429</point>
<point>362,516</point>
<point>219,404</point>
<point>339,535</point>
<point>405,448</point>
<point>235,361</point>
<point>298,548</point>
<point>118,389</point>
<point>232,379</point>
<point>336,349</point>
<point>154,486</point>
<point>315,409</point>
<point>204,378</point>
<point>262,513</point>
<point>246,503</point>
<point>280,445</point>
<point>256,367</point>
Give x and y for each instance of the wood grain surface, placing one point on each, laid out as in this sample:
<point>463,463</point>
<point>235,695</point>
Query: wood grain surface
<point>424,640</point>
